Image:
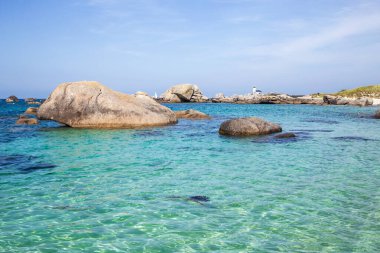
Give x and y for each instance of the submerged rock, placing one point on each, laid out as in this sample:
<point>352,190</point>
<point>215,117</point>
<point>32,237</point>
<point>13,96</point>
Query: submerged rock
<point>338,100</point>
<point>12,99</point>
<point>191,114</point>
<point>377,115</point>
<point>31,110</point>
<point>89,104</point>
<point>183,93</point>
<point>248,126</point>
<point>285,135</point>
<point>199,198</point>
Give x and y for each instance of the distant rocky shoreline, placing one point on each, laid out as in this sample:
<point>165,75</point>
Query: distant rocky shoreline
<point>185,93</point>
<point>190,93</point>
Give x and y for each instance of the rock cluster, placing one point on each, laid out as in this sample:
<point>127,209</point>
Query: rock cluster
<point>25,120</point>
<point>89,104</point>
<point>12,99</point>
<point>183,93</point>
<point>266,99</point>
<point>338,100</point>
<point>248,126</point>
<point>191,114</point>
<point>286,99</point>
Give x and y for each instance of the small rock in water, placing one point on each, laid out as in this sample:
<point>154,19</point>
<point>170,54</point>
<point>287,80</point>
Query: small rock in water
<point>248,126</point>
<point>191,114</point>
<point>31,110</point>
<point>285,135</point>
<point>24,120</point>
<point>12,99</point>
<point>377,115</point>
<point>199,198</point>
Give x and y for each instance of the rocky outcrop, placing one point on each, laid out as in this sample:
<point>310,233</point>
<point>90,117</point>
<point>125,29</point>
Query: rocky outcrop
<point>89,104</point>
<point>338,100</point>
<point>377,115</point>
<point>12,99</point>
<point>248,126</point>
<point>267,99</point>
<point>191,114</point>
<point>31,110</point>
<point>25,120</point>
<point>285,99</point>
<point>183,93</point>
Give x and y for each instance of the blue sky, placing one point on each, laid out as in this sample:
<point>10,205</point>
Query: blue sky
<point>289,46</point>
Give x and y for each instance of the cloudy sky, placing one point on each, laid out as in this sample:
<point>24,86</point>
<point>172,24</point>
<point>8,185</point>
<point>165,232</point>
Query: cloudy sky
<point>291,46</point>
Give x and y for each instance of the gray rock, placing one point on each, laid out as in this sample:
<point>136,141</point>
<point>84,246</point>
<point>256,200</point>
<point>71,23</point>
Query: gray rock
<point>183,93</point>
<point>248,126</point>
<point>377,115</point>
<point>330,100</point>
<point>285,135</point>
<point>337,100</point>
<point>12,99</point>
<point>89,104</point>
<point>191,114</point>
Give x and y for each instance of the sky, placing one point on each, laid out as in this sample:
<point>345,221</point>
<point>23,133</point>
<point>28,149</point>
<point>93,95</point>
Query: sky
<point>228,46</point>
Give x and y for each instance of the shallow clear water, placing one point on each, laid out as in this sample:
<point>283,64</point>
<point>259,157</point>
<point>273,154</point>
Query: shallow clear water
<point>72,190</point>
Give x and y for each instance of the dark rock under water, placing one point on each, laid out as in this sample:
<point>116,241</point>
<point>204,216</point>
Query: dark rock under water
<point>353,138</point>
<point>22,164</point>
<point>197,198</point>
<point>324,121</point>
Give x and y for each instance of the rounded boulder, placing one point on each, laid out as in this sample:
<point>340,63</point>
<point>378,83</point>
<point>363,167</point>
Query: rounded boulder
<point>248,126</point>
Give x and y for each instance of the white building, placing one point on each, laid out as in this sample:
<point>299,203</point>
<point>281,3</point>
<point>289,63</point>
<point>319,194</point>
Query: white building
<point>255,91</point>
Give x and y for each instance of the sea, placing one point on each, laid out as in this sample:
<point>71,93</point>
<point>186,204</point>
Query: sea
<point>185,188</point>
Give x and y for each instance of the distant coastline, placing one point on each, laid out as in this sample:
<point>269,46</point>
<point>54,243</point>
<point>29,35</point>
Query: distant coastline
<point>185,93</point>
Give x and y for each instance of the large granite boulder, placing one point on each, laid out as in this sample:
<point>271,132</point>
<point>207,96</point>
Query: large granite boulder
<point>91,105</point>
<point>248,126</point>
<point>12,99</point>
<point>183,93</point>
<point>191,114</point>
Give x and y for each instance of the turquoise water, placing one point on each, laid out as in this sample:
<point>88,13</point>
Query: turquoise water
<point>72,190</point>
